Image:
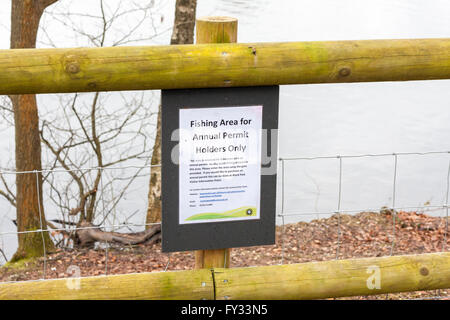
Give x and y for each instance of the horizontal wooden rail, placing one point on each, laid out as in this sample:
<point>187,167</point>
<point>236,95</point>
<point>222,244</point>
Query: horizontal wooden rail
<point>313,280</point>
<point>221,65</point>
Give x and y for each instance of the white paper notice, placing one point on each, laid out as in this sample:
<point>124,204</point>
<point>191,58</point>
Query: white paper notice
<point>220,164</point>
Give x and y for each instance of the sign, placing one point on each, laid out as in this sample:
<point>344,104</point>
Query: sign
<point>218,157</point>
<point>220,164</point>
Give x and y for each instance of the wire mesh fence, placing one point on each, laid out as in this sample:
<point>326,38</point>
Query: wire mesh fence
<point>333,235</point>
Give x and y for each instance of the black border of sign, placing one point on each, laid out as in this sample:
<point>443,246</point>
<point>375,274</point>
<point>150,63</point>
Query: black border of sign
<point>215,235</point>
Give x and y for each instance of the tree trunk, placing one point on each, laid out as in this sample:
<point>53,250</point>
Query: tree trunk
<point>182,33</point>
<point>25,16</point>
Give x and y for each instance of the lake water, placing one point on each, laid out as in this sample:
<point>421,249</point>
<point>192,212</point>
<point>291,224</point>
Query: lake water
<point>334,119</point>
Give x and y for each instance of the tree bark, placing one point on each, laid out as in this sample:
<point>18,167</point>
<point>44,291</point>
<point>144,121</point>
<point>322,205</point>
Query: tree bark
<point>182,33</point>
<point>25,17</point>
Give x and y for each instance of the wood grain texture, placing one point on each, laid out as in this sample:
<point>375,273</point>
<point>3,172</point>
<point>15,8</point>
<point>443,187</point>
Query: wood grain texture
<point>175,285</point>
<point>337,278</point>
<point>221,65</point>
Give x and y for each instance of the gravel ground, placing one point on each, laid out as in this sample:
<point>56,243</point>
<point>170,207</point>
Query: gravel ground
<point>366,234</point>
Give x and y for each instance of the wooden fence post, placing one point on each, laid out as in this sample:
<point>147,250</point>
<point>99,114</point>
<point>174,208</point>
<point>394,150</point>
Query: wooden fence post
<point>215,30</point>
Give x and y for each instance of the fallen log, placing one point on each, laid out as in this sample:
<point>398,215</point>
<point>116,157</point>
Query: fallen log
<point>88,234</point>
